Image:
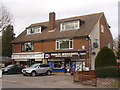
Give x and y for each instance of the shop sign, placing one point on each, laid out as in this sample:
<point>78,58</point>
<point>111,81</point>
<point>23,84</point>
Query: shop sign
<point>27,56</point>
<point>61,55</point>
<point>47,55</point>
<point>64,54</point>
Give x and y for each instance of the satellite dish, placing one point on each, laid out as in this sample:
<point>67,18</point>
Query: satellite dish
<point>93,53</point>
<point>95,45</point>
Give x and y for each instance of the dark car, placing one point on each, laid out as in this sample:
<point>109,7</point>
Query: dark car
<point>12,69</point>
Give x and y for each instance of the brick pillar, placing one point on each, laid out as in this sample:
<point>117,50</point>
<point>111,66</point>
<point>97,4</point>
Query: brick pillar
<point>87,63</point>
<point>13,61</point>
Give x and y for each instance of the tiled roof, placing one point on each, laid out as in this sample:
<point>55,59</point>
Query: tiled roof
<point>85,29</point>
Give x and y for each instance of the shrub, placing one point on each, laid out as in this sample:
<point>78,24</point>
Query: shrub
<point>108,71</point>
<point>105,57</point>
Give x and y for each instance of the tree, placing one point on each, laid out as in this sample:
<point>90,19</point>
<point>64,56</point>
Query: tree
<point>105,57</point>
<point>7,37</point>
<point>5,17</point>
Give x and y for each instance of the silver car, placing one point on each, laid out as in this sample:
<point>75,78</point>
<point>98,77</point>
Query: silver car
<point>37,68</point>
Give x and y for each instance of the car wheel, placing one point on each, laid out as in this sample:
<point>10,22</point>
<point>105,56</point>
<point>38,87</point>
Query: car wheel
<point>48,72</point>
<point>33,73</point>
<point>24,75</point>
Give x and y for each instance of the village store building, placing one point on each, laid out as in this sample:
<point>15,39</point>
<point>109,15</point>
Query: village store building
<point>64,43</point>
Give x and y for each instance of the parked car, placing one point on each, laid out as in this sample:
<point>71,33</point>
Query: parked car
<point>12,69</point>
<point>36,69</point>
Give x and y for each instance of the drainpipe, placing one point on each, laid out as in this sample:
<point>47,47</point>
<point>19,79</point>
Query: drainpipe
<point>42,51</point>
<point>90,50</point>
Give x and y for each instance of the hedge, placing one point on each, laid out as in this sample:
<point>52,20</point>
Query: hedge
<point>108,71</point>
<point>105,57</point>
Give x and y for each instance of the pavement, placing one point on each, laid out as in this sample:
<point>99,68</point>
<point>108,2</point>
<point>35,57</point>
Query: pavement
<point>42,81</point>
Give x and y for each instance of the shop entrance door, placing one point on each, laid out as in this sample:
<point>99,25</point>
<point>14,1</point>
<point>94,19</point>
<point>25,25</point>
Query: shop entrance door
<point>32,61</point>
<point>67,65</point>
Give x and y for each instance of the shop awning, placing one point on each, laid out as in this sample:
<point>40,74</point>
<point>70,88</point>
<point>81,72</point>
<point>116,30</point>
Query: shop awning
<point>31,55</point>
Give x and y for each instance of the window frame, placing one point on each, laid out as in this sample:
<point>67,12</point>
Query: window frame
<point>102,28</point>
<point>63,28</point>
<point>24,46</point>
<point>58,44</point>
<point>32,29</point>
<point>109,45</point>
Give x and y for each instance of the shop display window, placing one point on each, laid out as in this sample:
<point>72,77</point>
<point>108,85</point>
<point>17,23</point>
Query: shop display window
<point>59,65</point>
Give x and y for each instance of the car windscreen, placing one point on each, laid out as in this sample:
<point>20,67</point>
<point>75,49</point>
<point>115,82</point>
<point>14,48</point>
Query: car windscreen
<point>34,66</point>
<point>9,66</point>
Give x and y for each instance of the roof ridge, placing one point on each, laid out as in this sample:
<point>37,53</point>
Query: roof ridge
<point>66,18</point>
<point>82,15</point>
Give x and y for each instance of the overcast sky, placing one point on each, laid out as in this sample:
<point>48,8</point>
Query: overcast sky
<point>26,12</point>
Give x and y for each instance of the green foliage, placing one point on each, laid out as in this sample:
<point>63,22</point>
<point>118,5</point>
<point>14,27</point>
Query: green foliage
<point>105,57</point>
<point>108,71</point>
<point>7,37</point>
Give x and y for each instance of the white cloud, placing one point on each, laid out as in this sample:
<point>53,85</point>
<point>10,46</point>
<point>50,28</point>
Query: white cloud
<point>27,12</point>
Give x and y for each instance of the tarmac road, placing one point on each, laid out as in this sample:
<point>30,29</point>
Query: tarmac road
<point>52,81</point>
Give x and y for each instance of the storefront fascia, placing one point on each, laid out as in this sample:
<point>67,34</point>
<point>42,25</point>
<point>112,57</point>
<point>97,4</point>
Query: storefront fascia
<point>66,61</point>
<point>26,57</point>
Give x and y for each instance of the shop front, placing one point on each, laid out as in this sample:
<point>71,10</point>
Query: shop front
<point>27,59</point>
<point>66,61</point>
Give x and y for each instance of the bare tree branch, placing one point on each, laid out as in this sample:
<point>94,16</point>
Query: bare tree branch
<point>5,17</point>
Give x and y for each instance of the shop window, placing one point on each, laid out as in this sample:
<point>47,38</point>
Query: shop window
<point>27,46</point>
<point>70,25</point>
<point>64,44</point>
<point>58,64</point>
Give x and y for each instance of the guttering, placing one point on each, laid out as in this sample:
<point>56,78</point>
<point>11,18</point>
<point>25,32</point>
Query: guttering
<point>65,51</point>
<point>49,39</point>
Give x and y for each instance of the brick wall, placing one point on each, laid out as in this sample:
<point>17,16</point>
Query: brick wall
<point>16,48</point>
<point>50,45</point>
<point>79,42</point>
<point>105,37</point>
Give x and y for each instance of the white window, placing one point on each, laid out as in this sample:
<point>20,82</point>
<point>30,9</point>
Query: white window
<point>108,45</point>
<point>102,28</point>
<point>70,25</point>
<point>27,46</point>
<point>34,30</point>
<point>64,44</point>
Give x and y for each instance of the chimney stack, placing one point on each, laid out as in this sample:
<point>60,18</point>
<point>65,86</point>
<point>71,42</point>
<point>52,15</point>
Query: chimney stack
<point>51,21</point>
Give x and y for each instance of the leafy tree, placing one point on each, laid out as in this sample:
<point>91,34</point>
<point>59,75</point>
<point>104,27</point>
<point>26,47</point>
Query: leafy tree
<point>105,57</point>
<point>7,37</point>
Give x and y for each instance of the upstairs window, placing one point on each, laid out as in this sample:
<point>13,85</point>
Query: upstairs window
<point>102,28</point>
<point>64,44</point>
<point>70,25</point>
<point>27,46</point>
<point>34,30</point>
<point>108,45</point>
